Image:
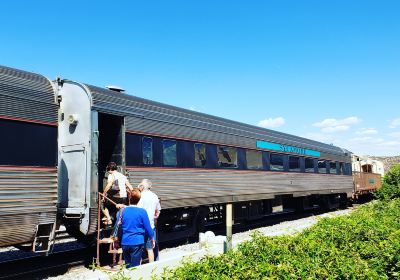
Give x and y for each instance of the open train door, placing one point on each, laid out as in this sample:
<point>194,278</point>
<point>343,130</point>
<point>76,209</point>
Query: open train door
<point>74,154</point>
<point>111,145</point>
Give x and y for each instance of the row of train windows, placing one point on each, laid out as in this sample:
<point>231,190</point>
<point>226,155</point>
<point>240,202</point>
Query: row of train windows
<point>226,157</point>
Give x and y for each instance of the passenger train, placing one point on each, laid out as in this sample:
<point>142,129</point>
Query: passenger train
<point>57,137</point>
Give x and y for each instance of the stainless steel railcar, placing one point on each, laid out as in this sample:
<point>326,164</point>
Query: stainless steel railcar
<point>58,136</point>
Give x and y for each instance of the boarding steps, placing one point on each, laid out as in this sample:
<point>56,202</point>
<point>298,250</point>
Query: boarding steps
<point>44,238</point>
<point>112,250</point>
<point>102,232</point>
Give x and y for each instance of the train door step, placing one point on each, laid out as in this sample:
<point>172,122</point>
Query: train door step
<point>116,252</point>
<point>105,241</point>
<point>44,238</point>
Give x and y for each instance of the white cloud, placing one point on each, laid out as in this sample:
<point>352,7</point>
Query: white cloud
<point>395,123</point>
<point>367,131</point>
<point>271,123</point>
<point>338,128</point>
<point>367,140</point>
<point>322,137</point>
<point>369,145</point>
<point>335,122</point>
<point>334,125</point>
<point>395,134</point>
<point>392,144</point>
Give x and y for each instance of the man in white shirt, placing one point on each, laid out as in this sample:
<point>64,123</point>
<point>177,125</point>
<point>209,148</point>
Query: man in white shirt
<point>150,202</point>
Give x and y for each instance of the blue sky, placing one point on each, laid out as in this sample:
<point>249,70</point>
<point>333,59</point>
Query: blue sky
<point>326,70</point>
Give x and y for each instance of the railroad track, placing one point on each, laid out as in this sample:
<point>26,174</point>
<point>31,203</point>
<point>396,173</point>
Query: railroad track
<point>23,264</point>
<point>38,267</point>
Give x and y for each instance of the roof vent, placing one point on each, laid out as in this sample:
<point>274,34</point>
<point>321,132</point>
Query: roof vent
<point>115,88</point>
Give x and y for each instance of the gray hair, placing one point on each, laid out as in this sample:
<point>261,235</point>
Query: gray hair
<point>146,183</point>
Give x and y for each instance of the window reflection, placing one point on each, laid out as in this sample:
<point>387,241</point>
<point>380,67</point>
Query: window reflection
<point>309,165</point>
<point>276,162</point>
<point>200,155</point>
<point>332,167</point>
<point>169,152</point>
<point>227,157</point>
<point>294,164</point>
<point>254,159</point>
<point>147,149</point>
<point>322,166</point>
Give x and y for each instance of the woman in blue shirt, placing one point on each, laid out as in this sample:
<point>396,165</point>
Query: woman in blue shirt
<point>135,223</point>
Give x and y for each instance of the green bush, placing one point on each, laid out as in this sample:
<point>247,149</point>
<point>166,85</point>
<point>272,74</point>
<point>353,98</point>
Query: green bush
<point>362,245</point>
<point>391,184</point>
<point>393,176</point>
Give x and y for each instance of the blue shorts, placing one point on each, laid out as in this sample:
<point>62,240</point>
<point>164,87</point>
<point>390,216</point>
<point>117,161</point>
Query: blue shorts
<point>148,240</point>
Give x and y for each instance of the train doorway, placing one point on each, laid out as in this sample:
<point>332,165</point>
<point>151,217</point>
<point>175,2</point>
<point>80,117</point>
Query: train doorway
<point>111,145</point>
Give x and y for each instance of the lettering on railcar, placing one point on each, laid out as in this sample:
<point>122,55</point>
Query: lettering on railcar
<point>286,149</point>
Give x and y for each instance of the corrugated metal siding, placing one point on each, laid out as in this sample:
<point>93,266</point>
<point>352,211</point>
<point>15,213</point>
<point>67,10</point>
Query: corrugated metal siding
<point>28,197</point>
<point>150,117</point>
<point>93,220</point>
<point>25,95</point>
<point>191,187</point>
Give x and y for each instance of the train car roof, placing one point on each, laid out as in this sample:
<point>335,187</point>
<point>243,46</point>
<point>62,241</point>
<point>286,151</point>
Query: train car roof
<point>106,100</point>
<point>35,87</point>
<point>27,96</point>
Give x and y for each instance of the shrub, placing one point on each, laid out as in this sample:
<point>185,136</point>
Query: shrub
<point>391,184</point>
<point>362,245</point>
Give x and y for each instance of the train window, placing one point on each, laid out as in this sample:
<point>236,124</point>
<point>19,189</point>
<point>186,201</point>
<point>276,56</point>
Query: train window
<point>322,166</point>
<point>19,139</point>
<point>294,164</point>
<point>276,162</point>
<point>348,170</point>
<point>309,165</point>
<point>169,152</point>
<point>341,168</point>
<point>254,159</point>
<point>147,144</point>
<point>227,157</point>
<point>200,155</point>
<point>332,167</point>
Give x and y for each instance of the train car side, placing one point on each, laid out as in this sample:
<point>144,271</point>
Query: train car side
<point>197,162</point>
<point>28,184</point>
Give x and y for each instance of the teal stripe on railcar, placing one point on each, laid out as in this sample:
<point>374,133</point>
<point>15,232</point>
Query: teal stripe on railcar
<point>287,149</point>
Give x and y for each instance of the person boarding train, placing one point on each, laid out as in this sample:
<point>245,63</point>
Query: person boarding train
<point>116,188</point>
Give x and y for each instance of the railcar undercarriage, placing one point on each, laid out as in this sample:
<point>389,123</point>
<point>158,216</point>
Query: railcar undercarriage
<point>187,222</point>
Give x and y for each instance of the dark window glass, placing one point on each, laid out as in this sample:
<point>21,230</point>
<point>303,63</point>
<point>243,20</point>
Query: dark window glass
<point>332,167</point>
<point>294,164</point>
<point>309,165</point>
<point>27,144</point>
<point>200,155</point>
<point>133,149</point>
<point>341,168</point>
<point>254,159</point>
<point>322,166</point>
<point>147,150</point>
<point>349,170</point>
<point>276,162</point>
<point>227,157</point>
<point>169,152</point>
